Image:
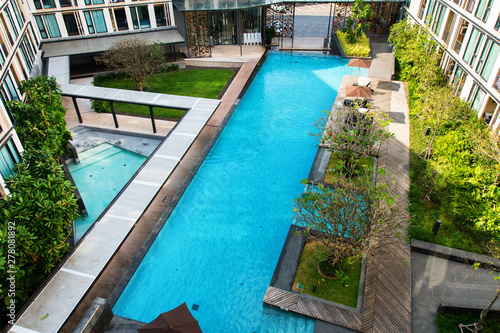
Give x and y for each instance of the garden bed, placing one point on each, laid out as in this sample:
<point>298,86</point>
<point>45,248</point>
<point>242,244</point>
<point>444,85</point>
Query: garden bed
<point>338,289</point>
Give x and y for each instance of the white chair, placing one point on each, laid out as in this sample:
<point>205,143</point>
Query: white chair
<point>259,38</point>
<point>363,81</point>
<point>252,38</point>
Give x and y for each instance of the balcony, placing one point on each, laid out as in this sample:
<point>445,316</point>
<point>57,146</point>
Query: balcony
<point>458,46</point>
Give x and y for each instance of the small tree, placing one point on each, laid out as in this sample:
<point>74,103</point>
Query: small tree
<point>136,57</point>
<point>357,23</point>
<point>353,134</point>
<point>439,108</point>
<point>350,218</point>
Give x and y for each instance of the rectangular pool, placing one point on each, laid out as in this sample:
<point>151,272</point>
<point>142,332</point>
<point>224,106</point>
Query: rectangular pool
<point>219,247</point>
<point>101,174</point>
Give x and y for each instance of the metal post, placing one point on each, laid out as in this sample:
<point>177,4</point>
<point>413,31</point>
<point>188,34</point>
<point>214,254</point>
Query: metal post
<point>77,110</point>
<point>112,107</point>
<point>238,31</point>
<point>329,22</point>
<point>152,118</point>
<point>187,33</point>
<point>282,23</point>
<point>293,29</point>
<point>436,226</point>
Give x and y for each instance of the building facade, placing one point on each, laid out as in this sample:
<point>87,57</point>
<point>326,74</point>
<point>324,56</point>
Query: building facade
<point>468,32</point>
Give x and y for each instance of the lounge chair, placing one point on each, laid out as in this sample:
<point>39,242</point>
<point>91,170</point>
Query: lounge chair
<point>364,81</point>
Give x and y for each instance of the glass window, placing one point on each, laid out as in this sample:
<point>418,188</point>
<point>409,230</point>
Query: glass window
<point>41,27</point>
<point>470,5</point>
<point>483,56</point>
<point>121,19</point>
<point>497,25</point>
<point>38,4</point>
<point>430,10</point>
<point>477,99</point>
<point>10,21</point>
<point>475,40</point>
<point>94,2</point>
<point>440,17</point>
<point>10,88</point>
<point>51,26</point>
<point>71,26</point>
<point>95,21</point>
<point>19,14</point>
<point>161,18</point>
<point>8,157</point>
<point>490,61</point>
<point>48,4</point>
<point>66,3</point>
<point>3,54</point>
<point>140,17</point>
<point>483,10</point>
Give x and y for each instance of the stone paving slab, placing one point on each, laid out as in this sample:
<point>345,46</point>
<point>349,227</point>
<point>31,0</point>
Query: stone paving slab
<point>63,292</point>
<point>134,97</point>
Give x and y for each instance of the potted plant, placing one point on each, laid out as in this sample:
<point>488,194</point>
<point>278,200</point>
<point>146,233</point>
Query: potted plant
<point>270,34</point>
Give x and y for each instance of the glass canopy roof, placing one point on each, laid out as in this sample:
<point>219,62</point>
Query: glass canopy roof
<point>203,5</point>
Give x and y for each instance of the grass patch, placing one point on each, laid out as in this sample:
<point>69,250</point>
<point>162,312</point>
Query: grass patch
<point>332,174</point>
<point>359,49</point>
<point>448,322</point>
<point>329,289</point>
<point>203,83</point>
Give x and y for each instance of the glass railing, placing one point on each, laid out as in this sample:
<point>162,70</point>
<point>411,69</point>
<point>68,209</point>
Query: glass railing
<point>190,5</point>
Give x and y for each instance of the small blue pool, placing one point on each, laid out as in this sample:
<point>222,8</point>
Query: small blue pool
<point>218,250</point>
<point>101,174</point>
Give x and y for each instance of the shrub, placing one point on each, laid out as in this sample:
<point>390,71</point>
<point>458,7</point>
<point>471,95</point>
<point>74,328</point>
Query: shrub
<point>361,48</point>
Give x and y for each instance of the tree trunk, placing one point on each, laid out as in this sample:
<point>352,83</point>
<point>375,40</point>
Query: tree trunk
<point>479,325</point>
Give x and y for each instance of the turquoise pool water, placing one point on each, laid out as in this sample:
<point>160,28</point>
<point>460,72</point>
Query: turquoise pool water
<point>219,248</point>
<point>101,174</point>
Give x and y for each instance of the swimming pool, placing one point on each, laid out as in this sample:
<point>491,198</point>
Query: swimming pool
<point>218,250</point>
<point>101,174</point>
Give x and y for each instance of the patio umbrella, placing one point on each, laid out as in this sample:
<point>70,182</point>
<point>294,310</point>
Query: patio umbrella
<point>358,62</point>
<point>357,91</point>
<point>178,320</point>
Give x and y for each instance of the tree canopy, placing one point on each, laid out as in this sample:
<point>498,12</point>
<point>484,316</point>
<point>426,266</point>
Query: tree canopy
<point>136,57</point>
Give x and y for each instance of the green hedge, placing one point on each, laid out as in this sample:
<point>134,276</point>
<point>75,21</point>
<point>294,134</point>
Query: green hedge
<point>359,49</point>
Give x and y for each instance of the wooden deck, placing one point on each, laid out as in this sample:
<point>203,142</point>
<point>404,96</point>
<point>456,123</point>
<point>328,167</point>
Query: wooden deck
<point>387,296</point>
<point>307,306</point>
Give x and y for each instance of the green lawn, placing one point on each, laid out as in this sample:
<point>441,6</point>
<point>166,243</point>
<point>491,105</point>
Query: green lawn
<point>204,83</point>
<point>326,288</point>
